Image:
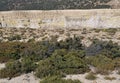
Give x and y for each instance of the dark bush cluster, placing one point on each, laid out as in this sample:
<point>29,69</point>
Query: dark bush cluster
<point>16,68</point>
<point>50,58</point>
<point>109,49</point>
<point>64,57</point>
<point>62,63</point>
<point>104,56</point>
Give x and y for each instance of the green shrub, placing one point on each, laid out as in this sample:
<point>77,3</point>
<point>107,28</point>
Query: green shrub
<point>12,69</point>
<point>58,58</point>
<point>36,50</point>
<point>102,63</point>
<point>97,30</point>
<point>45,68</point>
<point>10,50</point>
<point>117,63</point>
<point>4,59</point>
<point>90,76</point>
<point>111,31</point>
<point>57,79</point>
<point>109,49</point>
<point>16,68</point>
<point>62,62</point>
<point>27,65</point>
<point>109,78</point>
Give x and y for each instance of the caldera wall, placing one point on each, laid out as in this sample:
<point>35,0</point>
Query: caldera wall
<point>102,18</point>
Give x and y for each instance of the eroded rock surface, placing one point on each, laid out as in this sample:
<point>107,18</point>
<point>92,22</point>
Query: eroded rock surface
<point>103,18</point>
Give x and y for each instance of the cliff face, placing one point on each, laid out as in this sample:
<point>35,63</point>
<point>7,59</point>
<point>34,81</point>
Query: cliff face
<point>104,18</point>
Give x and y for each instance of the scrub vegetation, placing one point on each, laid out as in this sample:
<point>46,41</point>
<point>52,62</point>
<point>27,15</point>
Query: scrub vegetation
<point>52,58</point>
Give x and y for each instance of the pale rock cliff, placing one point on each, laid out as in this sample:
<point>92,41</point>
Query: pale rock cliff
<point>99,18</point>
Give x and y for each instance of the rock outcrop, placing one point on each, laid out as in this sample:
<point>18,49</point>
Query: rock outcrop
<point>103,18</point>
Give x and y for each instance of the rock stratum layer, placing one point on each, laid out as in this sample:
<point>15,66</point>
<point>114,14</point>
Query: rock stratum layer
<point>102,18</point>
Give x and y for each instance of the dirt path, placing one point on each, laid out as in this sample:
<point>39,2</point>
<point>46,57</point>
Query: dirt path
<point>100,78</point>
<point>25,78</point>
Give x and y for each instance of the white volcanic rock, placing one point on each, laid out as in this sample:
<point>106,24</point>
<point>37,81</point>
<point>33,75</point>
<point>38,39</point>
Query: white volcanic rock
<point>95,18</point>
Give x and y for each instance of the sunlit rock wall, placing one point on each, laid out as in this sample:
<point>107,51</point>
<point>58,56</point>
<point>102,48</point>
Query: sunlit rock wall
<point>103,18</point>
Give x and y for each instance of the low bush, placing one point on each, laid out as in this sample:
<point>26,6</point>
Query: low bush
<point>102,63</point>
<point>58,58</point>
<point>27,65</point>
<point>57,79</point>
<point>109,78</point>
<point>111,31</point>
<point>109,49</point>
<point>4,59</point>
<point>90,76</point>
<point>62,62</point>
<point>12,69</point>
<point>16,68</point>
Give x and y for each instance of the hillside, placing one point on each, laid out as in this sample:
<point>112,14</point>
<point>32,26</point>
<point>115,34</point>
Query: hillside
<point>57,4</point>
<point>59,41</point>
<point>86,55</point>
